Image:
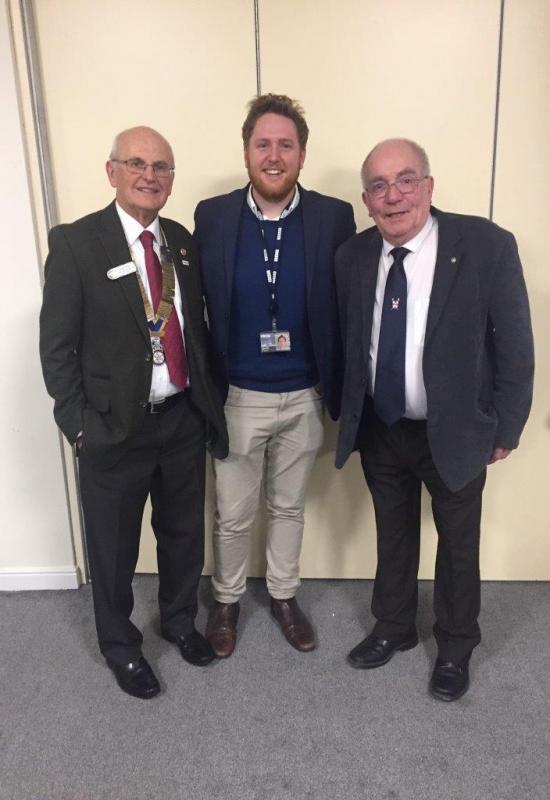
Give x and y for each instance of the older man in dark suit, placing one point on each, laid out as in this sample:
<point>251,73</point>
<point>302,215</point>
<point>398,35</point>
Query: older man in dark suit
<point>438,384</point>
<point>123,347</point>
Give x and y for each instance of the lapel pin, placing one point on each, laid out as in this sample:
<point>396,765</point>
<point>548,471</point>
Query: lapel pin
<point>183,251</point>
<point>453,260</point>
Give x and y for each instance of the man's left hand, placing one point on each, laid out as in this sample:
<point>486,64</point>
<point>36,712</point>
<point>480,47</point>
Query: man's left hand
<point>498,454</point>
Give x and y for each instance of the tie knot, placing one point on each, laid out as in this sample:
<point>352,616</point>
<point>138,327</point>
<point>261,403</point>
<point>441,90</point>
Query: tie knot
<point>147,238</point>
<point>399,254</point>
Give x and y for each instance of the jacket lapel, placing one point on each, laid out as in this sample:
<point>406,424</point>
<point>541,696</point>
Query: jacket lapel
<point>183,273</point>
<point>312,224</point>
<point>367,267</point>
<point>113,240</point>
<point>449,255</point>
<point>231,224</point>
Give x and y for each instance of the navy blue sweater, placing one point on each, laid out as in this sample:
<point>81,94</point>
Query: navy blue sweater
<point>249,368</point>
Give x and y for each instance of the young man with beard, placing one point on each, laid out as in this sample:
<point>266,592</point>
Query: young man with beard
<point>267,259</point>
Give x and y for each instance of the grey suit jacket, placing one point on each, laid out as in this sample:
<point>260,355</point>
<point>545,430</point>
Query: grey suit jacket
<point>94,341</point>
<point>478,348</point>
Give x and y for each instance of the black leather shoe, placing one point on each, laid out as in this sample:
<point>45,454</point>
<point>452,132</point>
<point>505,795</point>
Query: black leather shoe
<point>450,680</point>
<point>136,678</point>
<point>194,648</point>
<point>375,652</point>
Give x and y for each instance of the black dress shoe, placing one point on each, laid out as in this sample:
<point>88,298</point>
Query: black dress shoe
<point>450,680</point>
<point>136,678</point>
<point>194,648</point>
<point>375,652</point>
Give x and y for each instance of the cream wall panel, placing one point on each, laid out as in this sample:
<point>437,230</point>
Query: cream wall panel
<point>35,540</point>
<point>366,71</point>
<point>185,68</point>
<point>518,504</point>
<point>363,71</point>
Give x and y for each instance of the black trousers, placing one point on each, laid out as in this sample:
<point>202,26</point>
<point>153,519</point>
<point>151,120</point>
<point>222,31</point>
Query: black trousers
<point>166,459</point>
<point>396,461</point>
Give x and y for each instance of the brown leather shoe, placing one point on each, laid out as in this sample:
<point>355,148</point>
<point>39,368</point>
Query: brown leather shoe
<point>221,628</point>
<point>294,624</point>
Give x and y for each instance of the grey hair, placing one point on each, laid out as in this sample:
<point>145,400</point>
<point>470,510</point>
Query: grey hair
<point>420,152</point>
<point>114,147</point>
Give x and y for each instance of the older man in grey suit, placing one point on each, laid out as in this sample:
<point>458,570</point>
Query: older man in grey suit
<point>438,384</point>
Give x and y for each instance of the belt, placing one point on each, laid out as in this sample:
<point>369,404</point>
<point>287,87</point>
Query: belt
<point>162,406</point>
<point>406,422</point>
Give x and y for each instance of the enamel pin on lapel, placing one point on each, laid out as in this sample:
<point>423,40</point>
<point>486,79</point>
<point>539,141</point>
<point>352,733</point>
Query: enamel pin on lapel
<point>184,261</point>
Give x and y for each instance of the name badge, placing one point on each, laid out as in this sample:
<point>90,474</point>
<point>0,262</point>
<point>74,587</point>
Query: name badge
<point>119,272</point>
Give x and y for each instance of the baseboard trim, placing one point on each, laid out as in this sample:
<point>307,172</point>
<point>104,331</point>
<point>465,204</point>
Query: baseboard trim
<point>13,580</point>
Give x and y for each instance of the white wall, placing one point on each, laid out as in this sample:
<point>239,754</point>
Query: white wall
<point>35,540</point>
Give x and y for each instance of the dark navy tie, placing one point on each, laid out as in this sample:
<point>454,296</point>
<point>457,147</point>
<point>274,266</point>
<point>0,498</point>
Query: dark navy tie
<point>389,385</point>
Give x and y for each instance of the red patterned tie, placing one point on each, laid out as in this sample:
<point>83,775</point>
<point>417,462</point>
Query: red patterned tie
<point>174,349</point>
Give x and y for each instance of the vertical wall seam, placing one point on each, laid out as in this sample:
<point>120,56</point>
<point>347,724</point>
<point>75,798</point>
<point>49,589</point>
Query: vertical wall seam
<point>38,113</point>
<point>257,40</point>
<point>47,187</point>
<point>497,110</point>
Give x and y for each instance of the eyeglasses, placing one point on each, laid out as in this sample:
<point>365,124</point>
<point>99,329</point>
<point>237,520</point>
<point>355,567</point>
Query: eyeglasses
<point>405,184</point>
<point>137,167</point>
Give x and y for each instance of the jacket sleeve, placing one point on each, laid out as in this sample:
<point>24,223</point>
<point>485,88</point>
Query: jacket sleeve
<point>60,327</point>
<point>198,217</point>
<point>342,269</point>
<point>511,345</point>
<point>348,224</point>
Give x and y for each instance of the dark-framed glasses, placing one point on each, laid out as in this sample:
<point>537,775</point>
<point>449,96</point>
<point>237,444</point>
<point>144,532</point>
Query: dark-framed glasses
<point>137,166</point>
<point>405,184</point>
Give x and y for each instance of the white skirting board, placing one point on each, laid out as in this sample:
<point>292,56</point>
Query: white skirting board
<point>13,580</point>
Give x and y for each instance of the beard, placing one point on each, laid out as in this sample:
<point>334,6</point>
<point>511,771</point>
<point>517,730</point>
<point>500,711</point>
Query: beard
<point>273,193</point>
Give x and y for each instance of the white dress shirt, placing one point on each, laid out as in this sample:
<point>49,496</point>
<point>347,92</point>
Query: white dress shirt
<point>161,385</point>
<point>419,267</point>
<point>256,210</point>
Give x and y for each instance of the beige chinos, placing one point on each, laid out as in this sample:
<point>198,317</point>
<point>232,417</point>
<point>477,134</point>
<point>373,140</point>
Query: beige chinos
<point>274,436</point>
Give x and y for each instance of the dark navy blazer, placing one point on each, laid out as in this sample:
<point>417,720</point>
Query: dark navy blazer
<point>328,222</point>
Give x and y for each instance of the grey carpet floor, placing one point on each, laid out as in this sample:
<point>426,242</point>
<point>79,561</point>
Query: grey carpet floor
<point>271,723</point>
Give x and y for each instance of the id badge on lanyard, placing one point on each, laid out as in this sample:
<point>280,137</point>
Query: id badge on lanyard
<point>275,340</point>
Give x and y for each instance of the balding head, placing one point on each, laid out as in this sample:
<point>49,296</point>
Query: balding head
<point>419,153</point>
<point>397,189</point>
<point>141,192</point>
<point>121,140</point>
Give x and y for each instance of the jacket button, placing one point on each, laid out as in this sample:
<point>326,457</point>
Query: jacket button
<point>143,403</point>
